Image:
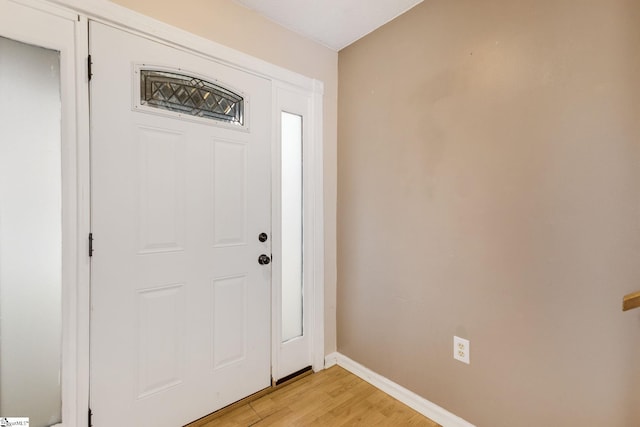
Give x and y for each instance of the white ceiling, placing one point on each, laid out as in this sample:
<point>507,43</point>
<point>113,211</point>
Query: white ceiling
<point>333,23</point>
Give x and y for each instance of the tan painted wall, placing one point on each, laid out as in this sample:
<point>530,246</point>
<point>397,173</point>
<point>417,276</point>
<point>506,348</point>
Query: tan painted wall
<point>489,186</point>
<point>232,25</point>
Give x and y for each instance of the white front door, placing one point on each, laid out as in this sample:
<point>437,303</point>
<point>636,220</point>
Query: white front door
<point>180,322</point>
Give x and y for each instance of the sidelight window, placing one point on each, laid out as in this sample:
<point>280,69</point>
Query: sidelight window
<point>30,233</point>
<point>292,280</point>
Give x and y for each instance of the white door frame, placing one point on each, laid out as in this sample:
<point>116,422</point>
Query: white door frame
<point>76,297</point>
<point>287,356</point>
<point>75,191</point>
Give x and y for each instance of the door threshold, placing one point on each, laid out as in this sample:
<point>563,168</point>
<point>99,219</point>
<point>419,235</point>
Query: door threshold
<point>289,379</point>
<point>294,377</point>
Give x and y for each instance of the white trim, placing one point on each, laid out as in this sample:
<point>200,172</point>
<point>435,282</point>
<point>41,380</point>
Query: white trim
<point>276,232</point>
<point>48,7</point>
<point>316,194</point>
<point>107,12</point>
<point>330,360</point>
<point>83,176</point>
<point>409,398</point>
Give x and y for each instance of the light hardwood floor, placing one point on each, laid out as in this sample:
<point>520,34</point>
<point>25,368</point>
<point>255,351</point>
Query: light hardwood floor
<point>333,397</point>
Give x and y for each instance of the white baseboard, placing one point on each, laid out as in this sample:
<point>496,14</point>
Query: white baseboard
<point>409,398</point>
<point>330,360</point>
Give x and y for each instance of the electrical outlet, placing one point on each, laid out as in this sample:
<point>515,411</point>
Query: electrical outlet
<point>461,350</point>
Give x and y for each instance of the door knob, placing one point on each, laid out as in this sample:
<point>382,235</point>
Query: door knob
<point>264,259</point>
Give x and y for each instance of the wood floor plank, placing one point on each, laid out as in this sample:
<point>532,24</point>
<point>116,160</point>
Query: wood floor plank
<point>333,397</point>
<point>240,417</point>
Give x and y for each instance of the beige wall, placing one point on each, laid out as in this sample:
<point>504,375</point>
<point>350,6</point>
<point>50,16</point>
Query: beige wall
<point>229,24</point>
<point>489,186</point>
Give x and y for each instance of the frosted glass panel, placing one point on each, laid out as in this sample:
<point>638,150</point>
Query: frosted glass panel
<point>30,233</point>
<point>292,295</point>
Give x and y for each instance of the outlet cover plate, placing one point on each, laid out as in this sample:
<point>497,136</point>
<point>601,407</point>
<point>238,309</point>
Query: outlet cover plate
<point>461,350</point>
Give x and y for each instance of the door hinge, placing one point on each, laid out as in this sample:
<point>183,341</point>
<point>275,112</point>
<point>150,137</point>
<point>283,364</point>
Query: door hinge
<point>89,415</point>
<point>90,244</point>
<point>89,71</point>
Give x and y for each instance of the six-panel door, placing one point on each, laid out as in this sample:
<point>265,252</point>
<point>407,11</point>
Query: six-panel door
<point>180,306</point>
